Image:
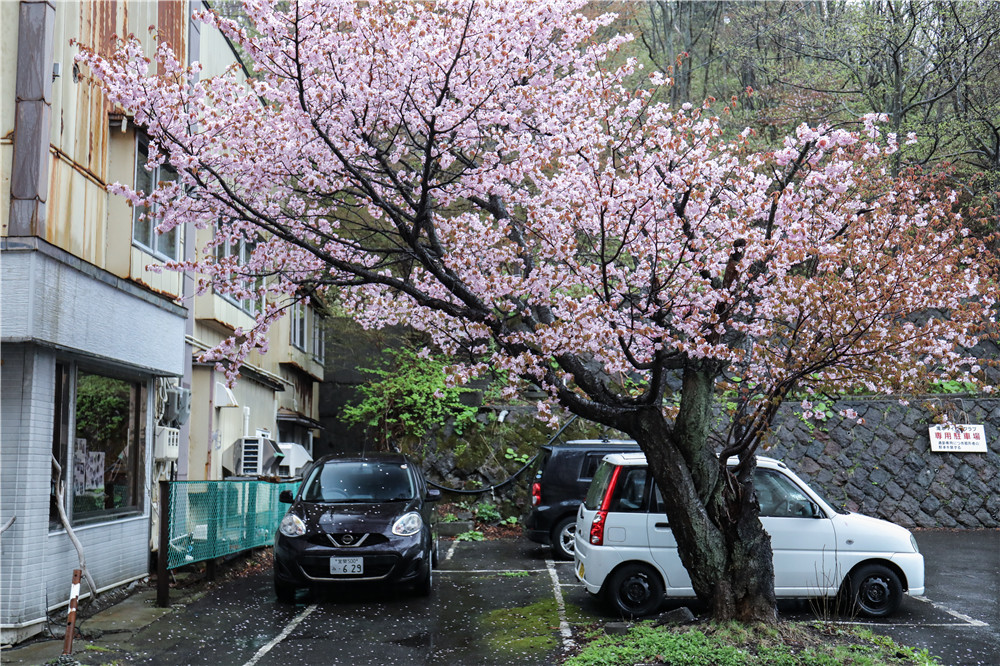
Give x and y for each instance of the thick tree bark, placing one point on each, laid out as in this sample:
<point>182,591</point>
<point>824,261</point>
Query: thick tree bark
<point>713,511</point>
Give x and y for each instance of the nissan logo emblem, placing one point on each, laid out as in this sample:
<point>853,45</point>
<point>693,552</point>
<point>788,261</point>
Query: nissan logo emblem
<point>348,539</point>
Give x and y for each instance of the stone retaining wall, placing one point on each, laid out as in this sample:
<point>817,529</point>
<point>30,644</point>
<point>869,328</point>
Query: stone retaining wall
<point>880,467</point>
<point>884,467</point>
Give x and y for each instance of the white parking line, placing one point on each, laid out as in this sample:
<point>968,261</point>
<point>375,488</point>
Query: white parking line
<point>451,551</point>
<point>490,571</point>
<point>961,616</point>
<point>283,635</point>
<point>564,630</point>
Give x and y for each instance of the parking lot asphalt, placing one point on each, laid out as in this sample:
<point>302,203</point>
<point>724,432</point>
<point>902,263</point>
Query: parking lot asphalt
<point>494,602</point>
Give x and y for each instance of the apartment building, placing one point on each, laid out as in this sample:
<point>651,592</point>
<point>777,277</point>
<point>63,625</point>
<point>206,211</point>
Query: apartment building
<point>100,368</point>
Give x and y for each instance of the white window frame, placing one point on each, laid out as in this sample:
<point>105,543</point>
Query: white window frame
<point>318,337</point>
<point>242,250</point>
<point>297,329</point>
<point>151,241</point>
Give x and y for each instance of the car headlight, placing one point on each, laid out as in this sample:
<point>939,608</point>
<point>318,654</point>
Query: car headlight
<point>291,525</point>
<point>913,542</point>
<point>408,524</point>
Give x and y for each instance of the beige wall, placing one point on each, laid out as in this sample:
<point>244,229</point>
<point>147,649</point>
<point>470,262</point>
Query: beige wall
<point>87,153</point>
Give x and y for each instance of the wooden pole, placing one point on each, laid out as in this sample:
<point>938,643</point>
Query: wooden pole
<point>74,596</point>
<point>163,549</point>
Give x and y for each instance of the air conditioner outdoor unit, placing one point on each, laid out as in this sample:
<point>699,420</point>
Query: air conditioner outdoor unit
<point>177,406</point>
<point>167,444</point>
<point>253,456</point>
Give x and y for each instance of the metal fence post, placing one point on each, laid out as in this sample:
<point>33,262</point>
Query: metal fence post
<point>162,575</point>
<point>213,529</point>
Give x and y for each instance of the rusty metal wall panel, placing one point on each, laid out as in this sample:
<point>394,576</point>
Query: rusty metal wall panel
<point>171,24</point>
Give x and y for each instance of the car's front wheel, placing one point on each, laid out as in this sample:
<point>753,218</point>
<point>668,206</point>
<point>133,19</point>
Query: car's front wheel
<point>424,585</point>
<point>634,590</point>
<point>563,538</point>
<point>876,590</point>
<point>284,591</point>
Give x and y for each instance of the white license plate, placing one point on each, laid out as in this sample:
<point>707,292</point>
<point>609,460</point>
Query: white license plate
<point>340,566</point>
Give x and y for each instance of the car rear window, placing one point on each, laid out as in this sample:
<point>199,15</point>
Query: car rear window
<point>590,463</point>
<point>352,481</point>
<point>599,486</point>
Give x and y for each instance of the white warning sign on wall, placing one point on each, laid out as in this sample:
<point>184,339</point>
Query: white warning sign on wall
<point>958,438</point>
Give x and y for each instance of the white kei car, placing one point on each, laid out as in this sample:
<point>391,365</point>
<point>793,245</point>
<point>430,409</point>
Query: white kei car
<point>626,552</point>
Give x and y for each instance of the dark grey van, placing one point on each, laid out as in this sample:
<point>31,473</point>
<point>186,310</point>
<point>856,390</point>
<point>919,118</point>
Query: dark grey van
<point>559,486</point>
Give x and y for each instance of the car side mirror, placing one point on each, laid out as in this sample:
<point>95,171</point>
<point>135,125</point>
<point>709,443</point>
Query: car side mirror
<point>815,511</point>
<point>286,497</point>
<point>433,495</point>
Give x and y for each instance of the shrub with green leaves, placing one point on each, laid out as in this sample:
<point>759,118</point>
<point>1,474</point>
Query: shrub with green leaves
<point>407,397</point>
<point>487,513</point>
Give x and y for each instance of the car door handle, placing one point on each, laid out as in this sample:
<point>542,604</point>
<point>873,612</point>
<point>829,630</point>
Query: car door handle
<point>661,526</point>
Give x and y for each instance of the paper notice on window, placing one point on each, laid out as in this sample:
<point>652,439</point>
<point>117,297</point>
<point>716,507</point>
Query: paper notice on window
<point>958,438</point>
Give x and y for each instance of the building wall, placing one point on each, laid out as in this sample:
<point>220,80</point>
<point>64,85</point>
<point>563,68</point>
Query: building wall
<point>77,289</point>
<point>26,409</point>
<point>73,290</point>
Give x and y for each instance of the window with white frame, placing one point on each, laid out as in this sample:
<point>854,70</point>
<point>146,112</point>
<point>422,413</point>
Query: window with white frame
<point>143,228</point>
<point>318,337</point>
<point>297,321</point>
<point>242,251</point>
<point>99,435</point>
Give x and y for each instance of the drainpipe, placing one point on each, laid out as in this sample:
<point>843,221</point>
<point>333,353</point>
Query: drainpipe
<point>29,181</point>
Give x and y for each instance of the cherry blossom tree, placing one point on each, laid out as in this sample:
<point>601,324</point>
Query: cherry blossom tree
<point>482,172</point>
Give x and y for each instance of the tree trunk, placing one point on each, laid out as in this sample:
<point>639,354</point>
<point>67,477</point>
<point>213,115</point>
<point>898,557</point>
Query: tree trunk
<point>713,512</point>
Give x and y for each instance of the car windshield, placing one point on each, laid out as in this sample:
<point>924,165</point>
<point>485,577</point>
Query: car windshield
<point>360,482</point>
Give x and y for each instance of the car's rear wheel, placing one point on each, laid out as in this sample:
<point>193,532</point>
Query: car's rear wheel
<point>634,589</point>
<point>563,536</point>
<point>876,590</point>
<point>284,591</point>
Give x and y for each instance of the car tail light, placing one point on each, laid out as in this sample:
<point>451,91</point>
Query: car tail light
<point>597,526</point>
<point>536,493</point>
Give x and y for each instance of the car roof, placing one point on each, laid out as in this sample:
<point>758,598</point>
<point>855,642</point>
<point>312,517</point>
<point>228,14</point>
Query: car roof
<point>378,456</point>
<point>639,458</point>
<point>596,443</point>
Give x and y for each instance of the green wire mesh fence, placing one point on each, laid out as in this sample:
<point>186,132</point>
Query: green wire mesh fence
<point>210,519</point>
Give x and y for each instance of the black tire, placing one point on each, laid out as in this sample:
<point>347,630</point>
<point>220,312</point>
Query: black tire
<point>284,591</point>
<point>876,590</point>
<point>634,589</point>
<point>425,584</point>
<point>563,535</point>
<point>435,555</point>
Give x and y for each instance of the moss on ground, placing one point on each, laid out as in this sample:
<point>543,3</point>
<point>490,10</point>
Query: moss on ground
<point>731,644</point>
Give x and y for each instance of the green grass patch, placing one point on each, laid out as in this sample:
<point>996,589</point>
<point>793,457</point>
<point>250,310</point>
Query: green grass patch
<point>525,630</point>
<point>732,644</point>
<point>516,574</point>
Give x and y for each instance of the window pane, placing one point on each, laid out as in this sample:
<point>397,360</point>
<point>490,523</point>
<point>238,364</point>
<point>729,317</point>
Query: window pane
<point>142,231</point>
<point>168,243</point>
<point>632,490</point>
<point>779,497</point>
<point>105,447</point>
<point>60,434</point>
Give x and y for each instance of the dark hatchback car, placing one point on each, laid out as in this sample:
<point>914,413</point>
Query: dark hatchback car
<point>357,519</point>
<point>559,486</point>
